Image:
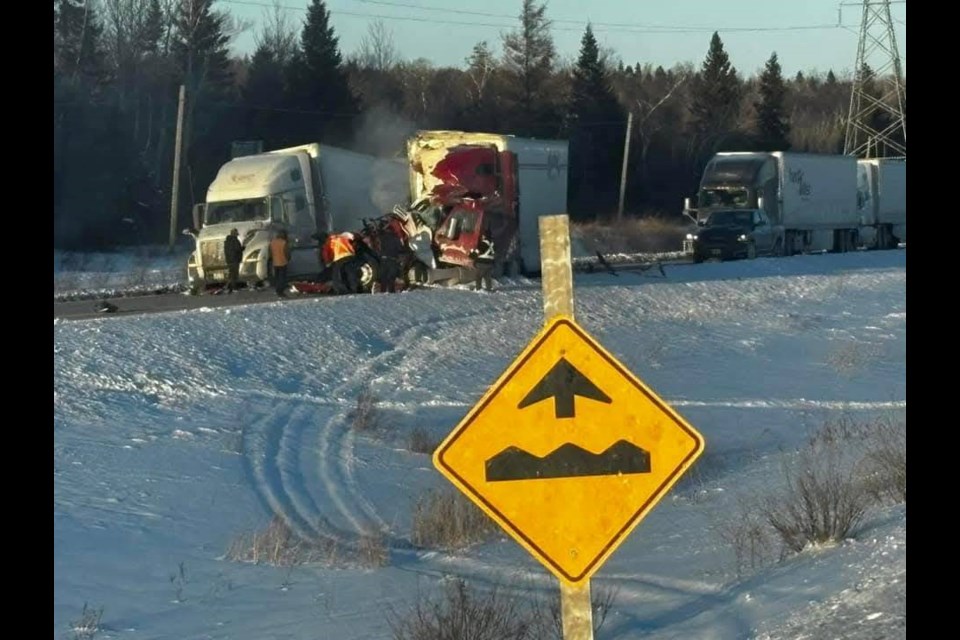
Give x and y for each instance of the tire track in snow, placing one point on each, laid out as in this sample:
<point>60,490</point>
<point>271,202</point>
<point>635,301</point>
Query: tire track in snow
<point>337,463</point>
<point>290,463</point>
<point>261,443</point>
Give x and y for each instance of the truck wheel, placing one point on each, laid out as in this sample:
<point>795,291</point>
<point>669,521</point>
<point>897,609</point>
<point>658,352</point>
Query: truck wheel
<point>751,251</point>
<point>369,275</point>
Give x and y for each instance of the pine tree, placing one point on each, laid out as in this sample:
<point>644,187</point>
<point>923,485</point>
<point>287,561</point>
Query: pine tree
<point>200,47</point>
<point>529,57</point>
<point>77,49</point>
<point>592,100</point>
<point>263,92</point>
<point>772,126</point>
<point>318,81</point>
<point>716,96</point>
<point>596,126</point>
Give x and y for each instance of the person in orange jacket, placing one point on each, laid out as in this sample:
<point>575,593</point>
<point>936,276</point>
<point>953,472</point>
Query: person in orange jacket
<point>339,254</point>
<point>280,255</point>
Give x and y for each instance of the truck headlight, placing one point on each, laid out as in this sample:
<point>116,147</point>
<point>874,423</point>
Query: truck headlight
<point>742,237</point>
<point>691,236</point>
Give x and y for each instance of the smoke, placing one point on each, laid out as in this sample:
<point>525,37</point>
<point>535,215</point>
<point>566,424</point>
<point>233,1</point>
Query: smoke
<point>383,133</point>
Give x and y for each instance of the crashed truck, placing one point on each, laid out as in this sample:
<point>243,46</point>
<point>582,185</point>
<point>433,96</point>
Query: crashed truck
<point>462,183</point>
<point>451,186</point>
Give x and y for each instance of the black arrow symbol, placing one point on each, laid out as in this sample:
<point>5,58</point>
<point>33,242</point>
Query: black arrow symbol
<point>562,383</point>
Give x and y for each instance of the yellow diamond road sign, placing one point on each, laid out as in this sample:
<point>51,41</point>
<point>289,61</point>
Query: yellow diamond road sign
<point>568,451</point>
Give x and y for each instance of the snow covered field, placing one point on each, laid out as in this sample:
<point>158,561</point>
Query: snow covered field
<point>176,433</point>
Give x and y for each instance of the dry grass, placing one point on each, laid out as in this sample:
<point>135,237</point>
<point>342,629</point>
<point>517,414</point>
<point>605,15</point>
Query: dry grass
<point>751,537</point>
<point>447,520</point>
<point>460,612</point>
<point>652,234</point>
<point>823,501</point>
<point>366,416</point>
<point>884,465</point>
<point>372,551</point>
<point>847,466</point>
<point>420,442</point>
<point>279,546</point>
<point>87,626</point>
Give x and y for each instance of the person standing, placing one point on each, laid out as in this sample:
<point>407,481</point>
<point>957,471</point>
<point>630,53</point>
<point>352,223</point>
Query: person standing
<point>233,254</point>
<point>339,253</point>
<point>390,248</point>
<point>483,258</point>
<point>280,255</point>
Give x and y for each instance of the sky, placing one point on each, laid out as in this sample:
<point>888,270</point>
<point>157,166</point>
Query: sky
<point>177,433</point>
<point>809,36</point>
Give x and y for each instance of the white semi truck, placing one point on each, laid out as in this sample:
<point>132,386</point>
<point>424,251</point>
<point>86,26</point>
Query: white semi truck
<point>775,203</point>
<point>301,190</point>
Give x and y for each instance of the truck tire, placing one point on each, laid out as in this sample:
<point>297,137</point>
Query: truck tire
<point>369,275</point>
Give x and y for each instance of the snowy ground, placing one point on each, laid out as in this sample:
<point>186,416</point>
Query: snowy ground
<point>174,433</point>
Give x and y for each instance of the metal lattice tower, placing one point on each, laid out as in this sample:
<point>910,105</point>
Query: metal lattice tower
<point>876,122</point>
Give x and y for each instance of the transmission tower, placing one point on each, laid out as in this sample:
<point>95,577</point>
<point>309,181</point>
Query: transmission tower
<point>876,122</point>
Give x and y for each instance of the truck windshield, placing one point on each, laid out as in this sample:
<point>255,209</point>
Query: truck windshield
<point>721,218</point>
<point>237,211</point>
<point>724,198</point>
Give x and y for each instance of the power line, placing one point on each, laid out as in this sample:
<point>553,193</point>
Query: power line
<point>618,27</point>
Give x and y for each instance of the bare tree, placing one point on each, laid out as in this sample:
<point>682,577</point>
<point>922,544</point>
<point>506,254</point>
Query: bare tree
<point>277,34</point>
<point>481,64</point>
<point>377,50</point>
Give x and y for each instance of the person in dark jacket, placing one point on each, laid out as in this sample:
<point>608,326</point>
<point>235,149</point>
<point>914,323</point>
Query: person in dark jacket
<point>483,258</point>
<point>390,249</point>
<point>233,254</point>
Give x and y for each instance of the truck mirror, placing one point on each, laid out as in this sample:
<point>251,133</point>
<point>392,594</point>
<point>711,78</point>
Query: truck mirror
<point>197,214</point>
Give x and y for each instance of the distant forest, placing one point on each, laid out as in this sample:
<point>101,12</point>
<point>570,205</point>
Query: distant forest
<point>119,64</point>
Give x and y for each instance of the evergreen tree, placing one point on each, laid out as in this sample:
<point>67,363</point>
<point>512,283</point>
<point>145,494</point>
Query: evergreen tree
<point>77,49</point>
<point>831,78</point>
<point>318,81</point>
<point>596,125</point>
<point>529,57</point>
<point>592,100</point>
<point>716,97</point>
<point>200,47</point>
<point>772,127</point>
<point>263,95</point>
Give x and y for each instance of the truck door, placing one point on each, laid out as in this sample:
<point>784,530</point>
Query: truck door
<point>763,236</point>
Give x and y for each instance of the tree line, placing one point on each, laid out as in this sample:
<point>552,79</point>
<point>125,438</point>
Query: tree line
<point>118,66</point>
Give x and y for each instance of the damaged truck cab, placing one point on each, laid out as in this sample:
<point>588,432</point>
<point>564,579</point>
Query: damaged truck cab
<point>464,184</point>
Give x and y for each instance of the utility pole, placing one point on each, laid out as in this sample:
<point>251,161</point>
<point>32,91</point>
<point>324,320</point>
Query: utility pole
<point>175,190</point>
<point>623,171</point>
<point>877,67</point>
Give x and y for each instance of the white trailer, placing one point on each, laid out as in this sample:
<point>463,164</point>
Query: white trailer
<point>882,202</point>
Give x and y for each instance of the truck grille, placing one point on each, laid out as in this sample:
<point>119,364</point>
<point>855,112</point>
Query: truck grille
<point>211,254</point>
